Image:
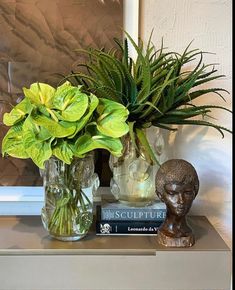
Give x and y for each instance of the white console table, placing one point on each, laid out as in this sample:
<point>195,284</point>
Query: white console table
<point>31,260</point>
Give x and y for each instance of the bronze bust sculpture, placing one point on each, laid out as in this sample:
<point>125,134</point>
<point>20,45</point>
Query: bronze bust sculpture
<point>177,185</point>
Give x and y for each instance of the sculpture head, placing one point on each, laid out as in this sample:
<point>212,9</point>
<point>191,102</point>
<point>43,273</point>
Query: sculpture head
<point>177,185</point>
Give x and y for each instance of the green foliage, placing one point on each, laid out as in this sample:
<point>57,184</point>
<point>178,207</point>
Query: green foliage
<point>155,88</point>
<point>111,121</point>
<point>18,113</point>
<point>58,122</point>
<point>93,138</point>
<point>13,142</point>
<point>40,93</point>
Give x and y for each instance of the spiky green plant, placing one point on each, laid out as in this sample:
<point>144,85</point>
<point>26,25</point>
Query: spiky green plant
<point>155,88</point>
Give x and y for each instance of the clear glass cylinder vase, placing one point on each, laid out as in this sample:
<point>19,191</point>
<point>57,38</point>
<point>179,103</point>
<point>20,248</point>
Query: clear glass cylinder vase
<point>133,181</point>
<point>68,207</point>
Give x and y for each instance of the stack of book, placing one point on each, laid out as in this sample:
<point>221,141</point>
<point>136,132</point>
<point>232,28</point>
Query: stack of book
<point>114,218</point>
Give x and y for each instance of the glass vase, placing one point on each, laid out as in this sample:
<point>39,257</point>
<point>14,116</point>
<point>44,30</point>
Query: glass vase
<point>68,209</point>
<point>133,181</point>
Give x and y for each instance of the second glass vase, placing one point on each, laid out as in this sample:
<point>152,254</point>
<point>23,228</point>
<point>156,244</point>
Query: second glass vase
<point>133,181</point>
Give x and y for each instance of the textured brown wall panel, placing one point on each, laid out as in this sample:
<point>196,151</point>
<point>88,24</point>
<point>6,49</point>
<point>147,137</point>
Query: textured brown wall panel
<point>37,40</point>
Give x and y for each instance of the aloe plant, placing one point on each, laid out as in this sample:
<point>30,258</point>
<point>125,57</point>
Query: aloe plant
<point>155,88</point>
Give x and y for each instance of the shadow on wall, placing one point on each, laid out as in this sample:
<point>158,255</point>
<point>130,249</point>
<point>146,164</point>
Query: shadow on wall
<point>203,147</point>
<point>210,161</point>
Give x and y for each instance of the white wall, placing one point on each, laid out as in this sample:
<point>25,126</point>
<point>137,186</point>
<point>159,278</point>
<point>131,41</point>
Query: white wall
<point>209,24</point>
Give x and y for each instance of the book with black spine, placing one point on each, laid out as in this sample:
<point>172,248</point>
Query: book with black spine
<point>127,227</point>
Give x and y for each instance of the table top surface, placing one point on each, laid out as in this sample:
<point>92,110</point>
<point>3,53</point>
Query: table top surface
<point>25,235</point>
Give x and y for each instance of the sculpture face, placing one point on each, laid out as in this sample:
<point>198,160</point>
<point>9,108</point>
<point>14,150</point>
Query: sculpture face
<point>178,198</point>
<point>177,185</point>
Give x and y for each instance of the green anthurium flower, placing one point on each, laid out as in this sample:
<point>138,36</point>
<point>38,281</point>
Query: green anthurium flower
<point>40,94</point>
<point>71,102</point>
<point>17,113</point>
<point>76,107</point>
<point>112,118</point>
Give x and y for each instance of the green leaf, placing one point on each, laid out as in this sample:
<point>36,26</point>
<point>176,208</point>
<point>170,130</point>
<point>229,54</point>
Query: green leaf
<point>93,139</point>
<point>144,141</point>
<point>63,151</point>
<point>159,125</point>
<point>76,109</point>
<point>17,113</point>
<point>199,93</point>
<point>113,126</point>
<point>93,103</point>
<point>29,125</point>
<point>39,151</point>
<point>59,130</point>
<point>71,102</point>
<point>40,132</point>
<point>40,94</point>
<point>43,134</point>
<point>145,67</point>
<point>107,106</point>
<point>201,123</point>
<point>62,96</point>
<point>44,110</point>
<point>112,118</point>
<point>158,95</point>
<point>12,143</point>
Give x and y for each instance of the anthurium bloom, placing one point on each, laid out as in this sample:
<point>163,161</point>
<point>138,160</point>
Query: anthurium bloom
<point>64,122</point>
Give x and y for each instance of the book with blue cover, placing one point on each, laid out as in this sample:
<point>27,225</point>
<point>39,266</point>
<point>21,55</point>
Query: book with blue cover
<point>122,212</point>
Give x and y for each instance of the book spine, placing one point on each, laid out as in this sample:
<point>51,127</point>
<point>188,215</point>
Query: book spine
<point>134,214</point>
<point>113,227</point>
